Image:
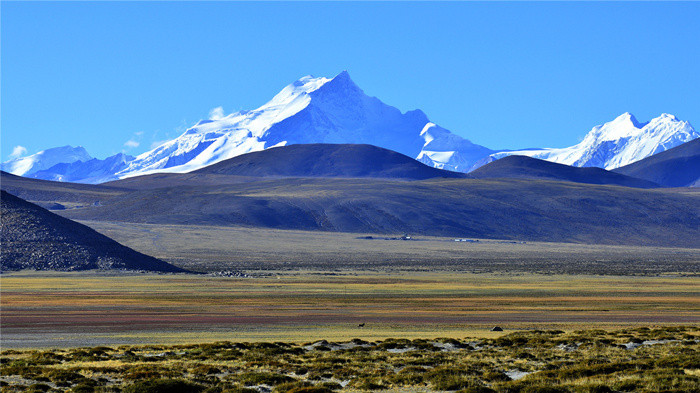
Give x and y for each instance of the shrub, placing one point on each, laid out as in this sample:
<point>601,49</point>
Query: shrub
<point>38,387</point>
<point>367,384</point>
<point>494,376</point>
<point>45,358</point>
<point>626,386</point>
<point>257,378</point>
<point>477,389</point>
<point>239,389</point>
<point>205,369</point>
<point>597,389</point>
<point>288,386</point>
<point>330,385</point>
<point>164,386</point>
<point>58,376</point>
<point>544,389</point>
<point>310,389</point>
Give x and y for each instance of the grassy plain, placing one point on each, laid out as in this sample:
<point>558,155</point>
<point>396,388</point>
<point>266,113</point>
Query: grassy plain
<point>216,248</point>
<point>41,309</point>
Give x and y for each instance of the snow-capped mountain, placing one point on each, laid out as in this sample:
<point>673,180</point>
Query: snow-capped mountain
<point>616,143</point>
<point>311,110</point>
<point>45,159</point>
<point>90,171</point>
<point>336,110</point>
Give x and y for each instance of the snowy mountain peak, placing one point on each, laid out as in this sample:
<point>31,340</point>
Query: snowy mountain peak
<point>623,126</point>
<point>617,143</point>
<point>295,91</point>
<point>341,84</point>
<point>309,110</point>
<point>45,159</point>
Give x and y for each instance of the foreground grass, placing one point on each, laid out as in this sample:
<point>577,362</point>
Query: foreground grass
<point>629,360</point>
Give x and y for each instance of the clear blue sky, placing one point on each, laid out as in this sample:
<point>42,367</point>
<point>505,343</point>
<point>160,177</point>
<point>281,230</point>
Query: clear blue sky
<point>504,75</point>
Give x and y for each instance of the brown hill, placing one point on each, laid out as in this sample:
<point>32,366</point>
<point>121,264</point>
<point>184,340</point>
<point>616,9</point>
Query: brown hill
<point>522,167</point>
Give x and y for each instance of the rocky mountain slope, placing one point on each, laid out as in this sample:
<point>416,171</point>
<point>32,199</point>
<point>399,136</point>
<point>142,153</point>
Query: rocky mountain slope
<point>34,238</point>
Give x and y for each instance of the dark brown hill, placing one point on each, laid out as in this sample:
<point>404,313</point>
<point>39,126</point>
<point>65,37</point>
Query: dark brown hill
<point>34,238</point>
<point>677,167</point>
<point>519,209</point>
<point>522,167</point>
<point>327,160</point>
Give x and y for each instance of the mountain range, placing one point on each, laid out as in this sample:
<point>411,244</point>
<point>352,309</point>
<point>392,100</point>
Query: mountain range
<point>336,111</point>
<point>616,143</point>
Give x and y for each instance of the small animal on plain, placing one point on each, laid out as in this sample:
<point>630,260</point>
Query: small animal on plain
<point>361,325</point>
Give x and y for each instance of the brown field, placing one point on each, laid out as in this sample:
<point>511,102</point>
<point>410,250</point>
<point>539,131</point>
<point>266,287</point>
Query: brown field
<point>41,309</point>
<point>212,248</point>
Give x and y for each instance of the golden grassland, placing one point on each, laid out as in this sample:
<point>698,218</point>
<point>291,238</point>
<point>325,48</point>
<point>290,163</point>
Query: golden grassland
<point>42,309</point>
<point>586,361</point>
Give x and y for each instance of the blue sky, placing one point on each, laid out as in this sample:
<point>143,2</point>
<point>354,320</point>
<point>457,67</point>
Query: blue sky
<point>504,75</point>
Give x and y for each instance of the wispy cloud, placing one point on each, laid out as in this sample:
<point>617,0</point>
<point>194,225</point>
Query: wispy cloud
<point>18,151</point>
<point>216,113</point>
<point>134,141</point>
<point>130,144</point>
